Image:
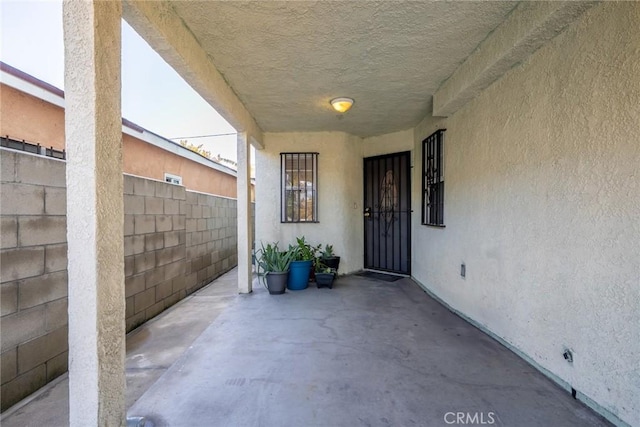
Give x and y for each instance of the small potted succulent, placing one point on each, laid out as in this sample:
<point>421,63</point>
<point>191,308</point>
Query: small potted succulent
<point>329,258</point>
<point>275,264</point>
<point>325,276</point>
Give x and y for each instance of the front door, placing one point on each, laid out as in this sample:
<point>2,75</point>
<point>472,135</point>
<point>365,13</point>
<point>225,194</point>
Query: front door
<point>387,213</point>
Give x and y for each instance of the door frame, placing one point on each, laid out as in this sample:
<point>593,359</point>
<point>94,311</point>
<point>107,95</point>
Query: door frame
<point>409,212</point>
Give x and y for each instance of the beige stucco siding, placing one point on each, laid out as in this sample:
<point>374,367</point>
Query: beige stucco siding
<point>542,204</point>
<point>339,193</point>
<point>389,143</point>
<point>143,159</point>
<point>23,116</point>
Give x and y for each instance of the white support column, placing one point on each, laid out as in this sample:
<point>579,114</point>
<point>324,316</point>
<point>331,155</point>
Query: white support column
<point>94,212</point>
<point>244,214</point>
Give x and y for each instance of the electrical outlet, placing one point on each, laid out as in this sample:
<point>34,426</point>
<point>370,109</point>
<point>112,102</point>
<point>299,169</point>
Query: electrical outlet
<point>463,270</point>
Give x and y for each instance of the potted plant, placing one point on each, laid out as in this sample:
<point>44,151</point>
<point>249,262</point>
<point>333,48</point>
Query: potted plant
<point>304,256</point>
<point>329,259</point>
<point>325,276</point>
<point>275,264</point>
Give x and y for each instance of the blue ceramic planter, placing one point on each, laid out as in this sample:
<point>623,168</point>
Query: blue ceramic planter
<point>299,275</point>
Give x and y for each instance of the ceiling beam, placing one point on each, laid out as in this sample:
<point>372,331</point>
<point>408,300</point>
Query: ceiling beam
<point>169,36</point>
<point>529,26</point>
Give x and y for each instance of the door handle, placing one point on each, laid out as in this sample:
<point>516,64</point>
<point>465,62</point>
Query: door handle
<point>367,212</point>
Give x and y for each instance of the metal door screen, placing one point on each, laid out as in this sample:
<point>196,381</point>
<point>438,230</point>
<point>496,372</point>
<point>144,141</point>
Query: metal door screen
<point>387,213</point>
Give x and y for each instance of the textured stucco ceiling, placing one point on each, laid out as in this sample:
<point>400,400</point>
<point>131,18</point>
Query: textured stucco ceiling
<point>286,60</point>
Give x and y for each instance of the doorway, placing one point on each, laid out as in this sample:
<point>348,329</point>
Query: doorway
<point>387,213</point>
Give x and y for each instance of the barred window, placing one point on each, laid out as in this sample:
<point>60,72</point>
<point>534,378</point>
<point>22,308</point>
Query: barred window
<point>433,179</point>
<point>299,184</point>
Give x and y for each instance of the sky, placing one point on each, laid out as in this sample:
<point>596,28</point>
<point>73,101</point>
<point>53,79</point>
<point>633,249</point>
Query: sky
<point>154,96</point>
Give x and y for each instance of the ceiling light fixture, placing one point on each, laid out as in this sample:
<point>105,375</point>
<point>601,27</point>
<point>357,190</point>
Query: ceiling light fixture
<point>341,105</point>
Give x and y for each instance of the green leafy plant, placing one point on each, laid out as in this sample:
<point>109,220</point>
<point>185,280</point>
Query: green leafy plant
<point>328,252</point>
<point>303,250</point>
<point>322,268</point>
<point>271,259</point>
<point>325,275</point>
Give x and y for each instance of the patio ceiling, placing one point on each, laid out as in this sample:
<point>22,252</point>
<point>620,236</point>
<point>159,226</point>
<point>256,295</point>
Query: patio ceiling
<point>286,60</point>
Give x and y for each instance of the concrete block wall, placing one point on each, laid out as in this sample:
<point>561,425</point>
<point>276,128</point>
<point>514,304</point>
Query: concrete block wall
<point>175,242</point>
<point>33,273</point>
<point>211,233</point>
<point>154,245</point>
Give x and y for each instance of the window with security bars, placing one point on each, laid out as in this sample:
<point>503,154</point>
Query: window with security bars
<point>299,184</point>
<point>433,179</point>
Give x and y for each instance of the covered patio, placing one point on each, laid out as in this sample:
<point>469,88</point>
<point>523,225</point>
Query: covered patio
<point>367,352</point>
<point>527,110</point>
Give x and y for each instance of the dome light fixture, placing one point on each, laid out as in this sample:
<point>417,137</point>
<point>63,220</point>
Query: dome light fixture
<point>341,105</point>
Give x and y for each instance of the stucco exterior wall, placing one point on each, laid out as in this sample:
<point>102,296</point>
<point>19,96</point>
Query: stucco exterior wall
<point>542,200</point>
<point>339,193</point>
<point>136,159</point>
<point>389,143</point>
<point>23,116</point>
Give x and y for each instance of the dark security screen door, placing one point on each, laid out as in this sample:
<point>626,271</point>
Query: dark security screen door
<point>387,213</point>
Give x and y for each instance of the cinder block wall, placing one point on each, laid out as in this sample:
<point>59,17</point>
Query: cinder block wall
<point>176,241</point>
<point>211,238</point>
<point>154,247</point>
<point>33,273</point>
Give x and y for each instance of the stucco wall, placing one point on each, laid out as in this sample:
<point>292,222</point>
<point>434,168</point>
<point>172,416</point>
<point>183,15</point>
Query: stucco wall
<point>389,143</point>
<point>136,157</point>
<point>339,194</point>
<point>29,118</point>
<point>542,204</point>
<point>39,122</point>
<point>340,164</point>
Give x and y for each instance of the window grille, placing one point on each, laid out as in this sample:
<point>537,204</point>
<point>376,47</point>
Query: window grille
<point>433,179</point>
<point>299,187</point>
<point>32,148</point>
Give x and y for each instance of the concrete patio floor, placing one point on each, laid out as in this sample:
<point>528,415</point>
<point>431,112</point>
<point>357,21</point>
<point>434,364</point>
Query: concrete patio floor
<point>367,353</point>
<point>151,350</point>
